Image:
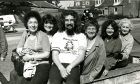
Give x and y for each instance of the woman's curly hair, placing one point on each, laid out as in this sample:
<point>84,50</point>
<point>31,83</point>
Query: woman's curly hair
<point>31,14</point>
<point>126,20</point>
<point>92,22</point>
<point>115,27</point>
<point>52,20</point>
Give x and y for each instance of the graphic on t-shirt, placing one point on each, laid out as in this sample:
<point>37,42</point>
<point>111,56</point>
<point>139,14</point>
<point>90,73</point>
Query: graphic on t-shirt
<point>69,45</point>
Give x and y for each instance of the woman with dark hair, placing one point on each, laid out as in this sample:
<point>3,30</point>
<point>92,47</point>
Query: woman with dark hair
<point>34,47</point>
<point>110,35</point>
<point>95,53</point>
<point>50,26</point>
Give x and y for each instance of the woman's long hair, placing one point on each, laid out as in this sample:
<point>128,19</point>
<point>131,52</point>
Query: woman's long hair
<point>76,21</point>
<point>52,20</point>
<point>115,27</point>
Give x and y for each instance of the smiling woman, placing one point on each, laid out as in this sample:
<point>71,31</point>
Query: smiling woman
<point>34,48</point>
<point>95,53</point>
<point>110,35</point>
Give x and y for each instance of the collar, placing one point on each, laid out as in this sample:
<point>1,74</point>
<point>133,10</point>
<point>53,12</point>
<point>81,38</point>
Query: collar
<point>126,37</point>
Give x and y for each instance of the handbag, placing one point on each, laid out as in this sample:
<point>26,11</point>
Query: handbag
<point>18,62</point>
<point>29,69</point>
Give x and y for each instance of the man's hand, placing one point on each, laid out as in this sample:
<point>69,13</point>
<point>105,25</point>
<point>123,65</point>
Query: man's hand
<point>2,59</point>
<point>69,67</point>
<point>63,72</point>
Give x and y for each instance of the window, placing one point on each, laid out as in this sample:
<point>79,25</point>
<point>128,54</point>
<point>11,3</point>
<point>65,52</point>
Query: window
<point>77,3</point>
<point>115,9</point>
<point>106,8</point>
<point>87,3</point>
<point>117,2</point>
<point>83,3</point>
<point>129,1</point>
<point>98,2</point>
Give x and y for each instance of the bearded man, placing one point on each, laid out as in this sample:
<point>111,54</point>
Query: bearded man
<point>66,61</point>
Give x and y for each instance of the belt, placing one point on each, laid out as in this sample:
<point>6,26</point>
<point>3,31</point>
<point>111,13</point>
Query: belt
<point>43,62</point>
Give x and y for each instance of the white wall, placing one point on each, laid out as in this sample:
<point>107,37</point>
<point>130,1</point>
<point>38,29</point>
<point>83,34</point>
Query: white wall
<point>65,4</point>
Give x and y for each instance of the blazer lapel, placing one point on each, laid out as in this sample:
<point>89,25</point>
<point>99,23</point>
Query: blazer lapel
<point>93,48</point>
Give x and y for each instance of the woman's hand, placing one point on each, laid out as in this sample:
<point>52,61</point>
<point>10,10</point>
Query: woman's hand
<point>27,57</point>
<point>19,51</point>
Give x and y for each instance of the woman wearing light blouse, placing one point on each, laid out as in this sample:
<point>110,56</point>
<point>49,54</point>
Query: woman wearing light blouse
<point>33,38</point>
<point>126,26</point>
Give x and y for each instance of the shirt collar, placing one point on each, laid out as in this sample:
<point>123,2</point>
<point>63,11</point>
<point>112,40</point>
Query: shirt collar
<point>126,37</point>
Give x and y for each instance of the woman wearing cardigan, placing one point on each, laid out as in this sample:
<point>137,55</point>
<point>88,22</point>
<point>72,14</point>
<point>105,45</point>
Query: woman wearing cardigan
<point>126,26</point>
<point>34,46</point>
<point>95,54</point>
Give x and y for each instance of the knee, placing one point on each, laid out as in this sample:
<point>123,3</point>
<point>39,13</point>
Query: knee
<point>73,82</point>
<point>1,74</point>
<point>55,82</point>
<point>13,74</point>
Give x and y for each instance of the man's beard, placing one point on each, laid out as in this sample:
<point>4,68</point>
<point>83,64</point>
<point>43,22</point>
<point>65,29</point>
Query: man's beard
<point>70,31</point>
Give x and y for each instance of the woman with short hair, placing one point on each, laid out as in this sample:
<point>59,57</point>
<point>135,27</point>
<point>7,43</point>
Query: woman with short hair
<point>34,47</point>
<point>126,26</point>
<point>95,53</point>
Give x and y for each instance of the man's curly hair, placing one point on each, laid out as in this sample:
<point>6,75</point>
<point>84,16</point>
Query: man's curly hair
<point>76,21</point>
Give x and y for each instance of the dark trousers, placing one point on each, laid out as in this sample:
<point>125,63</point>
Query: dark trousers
<point>41,76</point>
<point>3,80</point>
<point>122,63</point>
<point>55,76</point>
<point>15,78</point>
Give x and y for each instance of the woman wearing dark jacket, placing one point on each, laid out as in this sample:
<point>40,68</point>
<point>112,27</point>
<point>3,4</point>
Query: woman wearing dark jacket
<point>95,54</point>
<point>110,35</point>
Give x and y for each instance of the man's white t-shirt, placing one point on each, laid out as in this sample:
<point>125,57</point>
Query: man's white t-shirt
<point>68,46</point>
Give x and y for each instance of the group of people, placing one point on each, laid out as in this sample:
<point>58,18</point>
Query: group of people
<point>58,51</point>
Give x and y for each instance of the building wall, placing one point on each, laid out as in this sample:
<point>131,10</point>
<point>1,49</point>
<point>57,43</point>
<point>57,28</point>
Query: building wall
<point>84,3</point>
<point>66,4</point>
<point>128,8</point>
